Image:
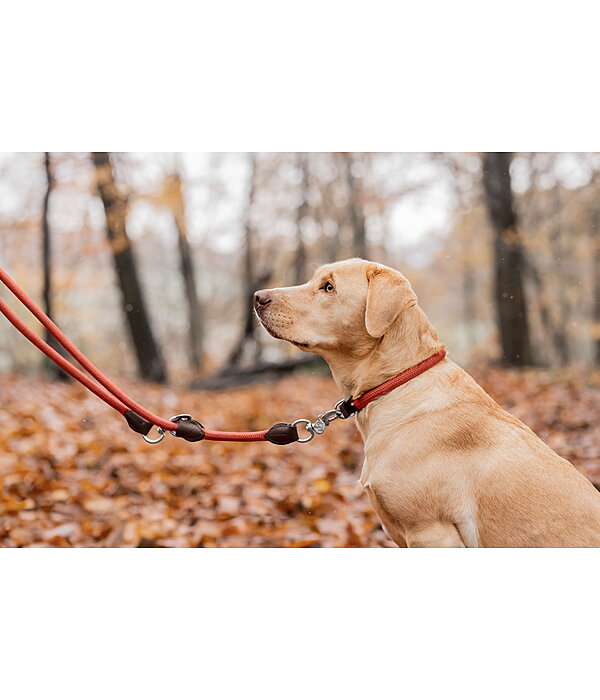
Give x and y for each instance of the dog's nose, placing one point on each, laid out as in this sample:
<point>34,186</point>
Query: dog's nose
<point>262,298</point>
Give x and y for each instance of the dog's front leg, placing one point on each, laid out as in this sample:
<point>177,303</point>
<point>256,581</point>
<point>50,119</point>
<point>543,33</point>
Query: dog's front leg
<point>435,535</point>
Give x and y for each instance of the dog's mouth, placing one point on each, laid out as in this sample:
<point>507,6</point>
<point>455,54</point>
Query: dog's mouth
<point>275,334</point>
<point>297,343</point>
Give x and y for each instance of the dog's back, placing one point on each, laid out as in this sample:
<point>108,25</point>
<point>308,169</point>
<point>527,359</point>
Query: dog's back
<point>443,450</point>
<point>528,496</point>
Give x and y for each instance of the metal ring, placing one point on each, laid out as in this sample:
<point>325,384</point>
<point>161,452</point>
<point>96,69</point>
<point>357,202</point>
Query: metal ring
<point>177,418</point>
<point>309,429</point>
<point>161,432</point>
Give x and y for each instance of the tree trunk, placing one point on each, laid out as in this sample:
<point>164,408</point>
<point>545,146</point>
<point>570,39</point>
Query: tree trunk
<point>46,249</point>
<point>469,310</point>
<point>596,282</point>
<point>355,210</point>
<point>561,339</point>
<point>511,308</point>
<point>186,264</point>
<point>326,213</point>
<point>552,330</point>
<point>301,212</point>
<point>52,368</point>
<point>150,362</point>
<point>250,281</point>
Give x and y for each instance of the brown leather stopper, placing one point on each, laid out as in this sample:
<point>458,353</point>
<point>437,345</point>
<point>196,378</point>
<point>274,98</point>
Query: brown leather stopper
<point>347,408</point>
<point>137,423</point>
<point>282,434</point>
<point>190,430</point>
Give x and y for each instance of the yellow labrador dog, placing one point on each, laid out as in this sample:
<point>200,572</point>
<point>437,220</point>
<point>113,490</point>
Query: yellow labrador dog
<point>445,465</point>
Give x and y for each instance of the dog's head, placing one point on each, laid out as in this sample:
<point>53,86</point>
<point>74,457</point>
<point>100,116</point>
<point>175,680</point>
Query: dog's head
<point>347,307</point>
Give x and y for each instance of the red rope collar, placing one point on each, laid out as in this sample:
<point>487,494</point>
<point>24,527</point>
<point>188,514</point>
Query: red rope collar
<point>351,405</point>
<point>141,420</point>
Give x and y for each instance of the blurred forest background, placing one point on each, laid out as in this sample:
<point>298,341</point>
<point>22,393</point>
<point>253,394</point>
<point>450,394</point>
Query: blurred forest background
<point>148,262</point>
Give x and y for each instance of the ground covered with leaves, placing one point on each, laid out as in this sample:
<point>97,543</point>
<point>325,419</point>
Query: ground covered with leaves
<point>73,474</point>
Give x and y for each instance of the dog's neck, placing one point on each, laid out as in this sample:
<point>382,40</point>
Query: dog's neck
<point>407,342</point>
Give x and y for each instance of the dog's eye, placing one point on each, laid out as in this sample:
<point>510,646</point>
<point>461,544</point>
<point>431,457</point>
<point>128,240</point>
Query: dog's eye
<point>327,287</point>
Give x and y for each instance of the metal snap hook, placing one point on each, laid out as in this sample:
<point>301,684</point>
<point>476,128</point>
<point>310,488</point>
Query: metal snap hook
<point>330,416</point>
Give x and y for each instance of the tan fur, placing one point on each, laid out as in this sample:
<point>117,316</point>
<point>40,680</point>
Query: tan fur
<point>445,465</point>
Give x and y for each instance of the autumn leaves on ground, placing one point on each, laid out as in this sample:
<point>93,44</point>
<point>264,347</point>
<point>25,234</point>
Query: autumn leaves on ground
<point>73,474</point>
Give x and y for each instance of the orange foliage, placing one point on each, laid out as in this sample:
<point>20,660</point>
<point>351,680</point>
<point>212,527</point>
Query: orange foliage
<point>73,474</point>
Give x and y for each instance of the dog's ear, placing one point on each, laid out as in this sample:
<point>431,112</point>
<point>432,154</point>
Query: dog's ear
<point>389,293</point>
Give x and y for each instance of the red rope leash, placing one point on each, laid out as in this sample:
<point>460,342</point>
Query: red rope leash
<point>108,391</point>
<point>141,420</point>
<point>60,360</point>
<point>52,328</point>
